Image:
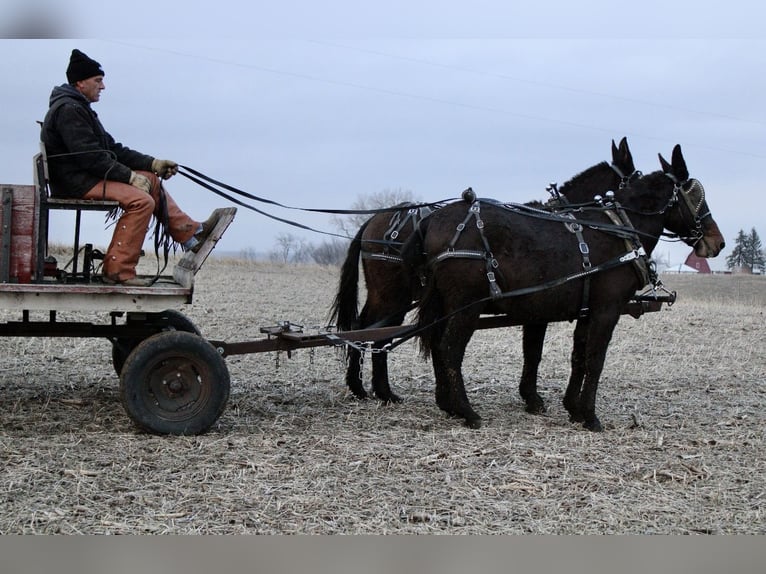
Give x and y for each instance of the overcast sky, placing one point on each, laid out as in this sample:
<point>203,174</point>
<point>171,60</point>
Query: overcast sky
<point>305,108</point>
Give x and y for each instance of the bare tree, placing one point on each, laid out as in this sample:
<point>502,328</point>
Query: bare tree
<point>330,252</point>
<point>302,252</point>
<point>349,224</point>
<point>290,249</point>
<point>248,254</point>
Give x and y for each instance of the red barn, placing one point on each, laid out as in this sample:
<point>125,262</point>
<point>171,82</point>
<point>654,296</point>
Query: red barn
<point>697,263</point>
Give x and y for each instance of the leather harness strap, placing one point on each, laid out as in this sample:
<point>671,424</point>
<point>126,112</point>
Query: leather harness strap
<point>619,217</point>
<point>414,216</point>
<point>474,212</point>
<point>635,254</point>
<point>575,227</point>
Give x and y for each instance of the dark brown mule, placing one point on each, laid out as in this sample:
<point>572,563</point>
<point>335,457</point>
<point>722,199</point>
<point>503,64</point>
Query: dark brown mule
<point>392,289</point>
<point>547,268</point>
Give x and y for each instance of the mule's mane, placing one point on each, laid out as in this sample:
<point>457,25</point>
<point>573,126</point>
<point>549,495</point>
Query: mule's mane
<point>578,188</point>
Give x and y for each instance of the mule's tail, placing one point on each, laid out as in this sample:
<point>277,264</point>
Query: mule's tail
<point>345,307</point>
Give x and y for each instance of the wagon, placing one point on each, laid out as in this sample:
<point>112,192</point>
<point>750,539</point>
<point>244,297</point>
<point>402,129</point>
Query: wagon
<point>171,379</point>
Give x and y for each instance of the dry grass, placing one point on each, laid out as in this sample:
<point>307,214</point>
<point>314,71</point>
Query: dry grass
<point>681,399</point>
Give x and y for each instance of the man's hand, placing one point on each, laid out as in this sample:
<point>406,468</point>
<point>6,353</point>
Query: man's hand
<point>140,181</point>
<point>165,168</point>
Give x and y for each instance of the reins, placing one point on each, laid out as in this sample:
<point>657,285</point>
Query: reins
<point>562,216</point>
<point>217,187</point>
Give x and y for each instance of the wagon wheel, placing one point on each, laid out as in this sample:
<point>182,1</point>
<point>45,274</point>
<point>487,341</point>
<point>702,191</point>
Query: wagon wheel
<point>121,347</point>
<point>174,382</point>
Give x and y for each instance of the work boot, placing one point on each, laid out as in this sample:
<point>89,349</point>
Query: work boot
<point>207,228</point>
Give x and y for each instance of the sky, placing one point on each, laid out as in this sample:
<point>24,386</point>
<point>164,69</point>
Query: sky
<point>317,105</point>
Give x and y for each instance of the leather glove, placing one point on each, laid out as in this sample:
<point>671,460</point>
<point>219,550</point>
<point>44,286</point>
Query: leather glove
<point>165,168</point>
<point>140,181</point>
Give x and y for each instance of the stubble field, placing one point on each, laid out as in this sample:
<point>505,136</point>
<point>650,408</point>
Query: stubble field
<point>681,400</point>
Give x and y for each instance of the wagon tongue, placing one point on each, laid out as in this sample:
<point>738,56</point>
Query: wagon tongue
<point>191,262</point>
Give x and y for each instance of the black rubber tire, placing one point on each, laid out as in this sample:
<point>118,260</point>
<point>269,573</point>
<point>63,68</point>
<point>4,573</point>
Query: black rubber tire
<point>175,320</point>
<point>175,382</point>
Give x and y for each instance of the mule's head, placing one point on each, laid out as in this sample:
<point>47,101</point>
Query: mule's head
<point>602,177</point>
<point>690,215</point>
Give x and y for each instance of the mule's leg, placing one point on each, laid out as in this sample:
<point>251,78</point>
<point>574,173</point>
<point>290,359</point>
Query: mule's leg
<point>354,358</point>
<point>532,343</point>
<point>577,374</point>
<point>601,329</point>
<point>354,373</point>
<point>380,375</point>
<point>440,378</point>
<point>452,347</point>
<point>387,312</point>
<point>375,310</point>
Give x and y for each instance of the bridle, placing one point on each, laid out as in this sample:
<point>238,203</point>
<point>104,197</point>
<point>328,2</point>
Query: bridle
<point>625,179</point>
<point>689,211</point>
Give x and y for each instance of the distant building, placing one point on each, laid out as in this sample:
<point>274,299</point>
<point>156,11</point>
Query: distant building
<point>697,263</point>
<point>742,270</point>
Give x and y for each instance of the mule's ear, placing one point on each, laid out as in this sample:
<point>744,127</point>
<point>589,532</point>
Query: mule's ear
<point>679,164</point>
<point>666,167</point>
<point>624,145</point>
<point>627,156</point>
<point>622,157</point>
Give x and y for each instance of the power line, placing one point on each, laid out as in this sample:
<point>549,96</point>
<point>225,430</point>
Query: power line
<point>443,101</point>
<point>546,85</point>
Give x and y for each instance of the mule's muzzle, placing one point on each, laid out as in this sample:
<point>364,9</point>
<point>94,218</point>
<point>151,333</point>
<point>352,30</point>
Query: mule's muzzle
<point>709,245</point>
<point>712,242</point>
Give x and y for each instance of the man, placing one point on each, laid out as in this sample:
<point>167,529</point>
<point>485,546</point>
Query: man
<point>84,161</point>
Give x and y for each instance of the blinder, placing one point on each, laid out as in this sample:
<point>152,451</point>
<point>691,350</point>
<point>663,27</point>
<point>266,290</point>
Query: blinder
<point>690,212</point>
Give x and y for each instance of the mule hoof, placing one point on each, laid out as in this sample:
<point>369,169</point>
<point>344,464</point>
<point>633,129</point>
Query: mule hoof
<point>576,418</point>
<point>536,407</point>
<point>593,426</point>
<point>473,423</point>
<point>392,399</point>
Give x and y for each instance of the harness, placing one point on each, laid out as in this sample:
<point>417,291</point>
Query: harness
<point>413,217</point>
<point>474,212</point>
<point>621,226</point>
<point>640,264</point>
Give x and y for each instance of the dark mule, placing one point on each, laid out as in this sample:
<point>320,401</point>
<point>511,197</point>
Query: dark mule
<point>392,288</point>
<point>547,268</point>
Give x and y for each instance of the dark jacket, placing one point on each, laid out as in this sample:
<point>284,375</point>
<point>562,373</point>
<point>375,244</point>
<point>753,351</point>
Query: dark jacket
<point>72,127</point>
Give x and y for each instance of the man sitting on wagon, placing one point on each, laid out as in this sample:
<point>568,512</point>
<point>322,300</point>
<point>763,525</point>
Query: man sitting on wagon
<point>85,162</point>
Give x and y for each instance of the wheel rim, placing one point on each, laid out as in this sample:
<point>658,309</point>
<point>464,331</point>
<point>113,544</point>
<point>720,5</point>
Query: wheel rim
<point>177,388</point>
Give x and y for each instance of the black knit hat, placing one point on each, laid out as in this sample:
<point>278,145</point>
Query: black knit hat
<point>81,67</point>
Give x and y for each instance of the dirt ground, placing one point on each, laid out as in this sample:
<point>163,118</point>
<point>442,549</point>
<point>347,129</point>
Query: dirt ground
<point>681,401</point>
